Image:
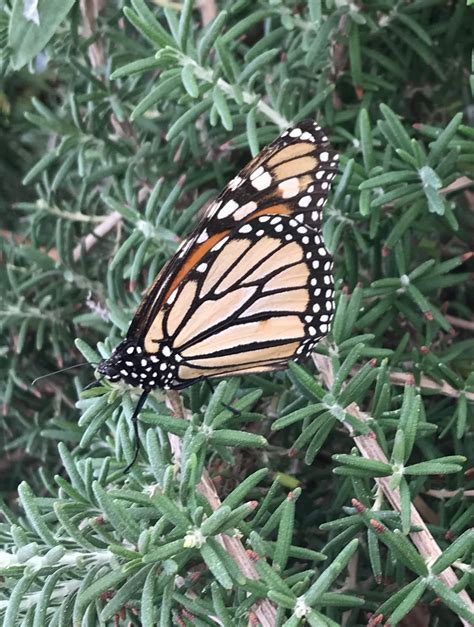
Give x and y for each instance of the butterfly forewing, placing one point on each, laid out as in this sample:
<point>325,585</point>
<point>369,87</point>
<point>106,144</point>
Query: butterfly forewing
<point>252,286</point>
<point>292,175</point>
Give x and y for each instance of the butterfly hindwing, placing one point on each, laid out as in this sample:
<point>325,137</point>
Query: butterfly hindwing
<point>254,303</point>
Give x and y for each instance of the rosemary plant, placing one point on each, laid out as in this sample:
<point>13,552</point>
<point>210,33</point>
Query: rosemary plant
<point>339,493</point>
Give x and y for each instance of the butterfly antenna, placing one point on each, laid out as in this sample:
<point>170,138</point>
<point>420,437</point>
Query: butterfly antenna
<point>50,374</point>
<point>137,411</point>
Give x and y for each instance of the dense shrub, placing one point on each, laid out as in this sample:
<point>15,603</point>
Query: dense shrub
<point>340,490</point>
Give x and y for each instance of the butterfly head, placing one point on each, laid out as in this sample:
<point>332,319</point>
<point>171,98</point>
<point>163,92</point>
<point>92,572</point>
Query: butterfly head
<point>125,363</point>
<point>130,363</point>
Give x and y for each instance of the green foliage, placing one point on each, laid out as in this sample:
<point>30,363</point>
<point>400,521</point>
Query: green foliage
<point>121,128</point>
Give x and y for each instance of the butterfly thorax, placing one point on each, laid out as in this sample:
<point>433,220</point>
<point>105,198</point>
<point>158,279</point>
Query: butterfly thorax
<point>132,364</point>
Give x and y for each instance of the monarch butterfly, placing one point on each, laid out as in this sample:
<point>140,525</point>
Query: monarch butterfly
<point>251,287</point>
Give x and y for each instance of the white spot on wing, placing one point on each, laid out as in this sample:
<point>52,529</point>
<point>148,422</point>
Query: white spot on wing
<point>202,237</point>
<point>172,296</point>
<point>289,188</point>
<point>235,182</point>
<point>220,244</point>
<point>244,210</point>
<point>227,209</point>
<point>304,202</point>
<point>213,208</point>
<point>262,182</point>
<point>257,173</point>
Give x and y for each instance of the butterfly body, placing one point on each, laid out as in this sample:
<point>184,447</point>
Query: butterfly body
<point>251,287</point>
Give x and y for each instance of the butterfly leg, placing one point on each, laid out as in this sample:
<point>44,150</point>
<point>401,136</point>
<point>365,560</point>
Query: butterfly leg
<point>235,411</point>
<point>93,384</point>
<point>136,413</point>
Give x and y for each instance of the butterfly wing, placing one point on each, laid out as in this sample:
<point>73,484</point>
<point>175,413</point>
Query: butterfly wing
<point>251,287</point>
<point>291,175</point>
<point>262,298</point>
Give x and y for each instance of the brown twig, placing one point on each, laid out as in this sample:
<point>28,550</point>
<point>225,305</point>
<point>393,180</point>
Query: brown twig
<point>460,322</point>
<point>90,11</point>
<point>406,378</point>
<point>92,238</point>
<point>448,494</point>
<point>460,183</point>
<point>371,449</point>
<point>208,10</point>
<point>263,610</point>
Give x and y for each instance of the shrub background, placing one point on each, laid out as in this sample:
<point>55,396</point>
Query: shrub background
<point>119,121</point>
